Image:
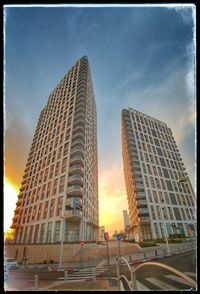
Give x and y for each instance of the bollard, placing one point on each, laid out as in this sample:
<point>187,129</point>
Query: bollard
<point>66,276</point>
<point>36,281</point>
<point>118,274</point>
<point>133,280</point>
<point>130,258</point>
<point>94,275</point>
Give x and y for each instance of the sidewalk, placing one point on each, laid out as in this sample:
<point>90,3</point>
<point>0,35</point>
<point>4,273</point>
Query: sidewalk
<point>151,253</point>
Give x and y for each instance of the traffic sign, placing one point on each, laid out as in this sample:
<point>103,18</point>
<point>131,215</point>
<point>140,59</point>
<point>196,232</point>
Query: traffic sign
<point>119,237</point>
<point>106,236</point>
<point>82,243</point>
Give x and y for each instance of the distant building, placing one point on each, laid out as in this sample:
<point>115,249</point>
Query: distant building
<point>101,233</point>
<point>127,225</point>
<point>157,200</point>
<point>59,193</point>
<point>126,219</point>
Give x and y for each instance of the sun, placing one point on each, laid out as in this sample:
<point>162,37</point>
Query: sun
<point>10,199</point>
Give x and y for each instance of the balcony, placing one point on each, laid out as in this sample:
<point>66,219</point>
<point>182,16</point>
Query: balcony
<point>79,115</point>
<point>77,160</point>
<point>80,108</point>
<point>79,127</point>
<point>76,169</point>
<point>139,188</point>
<point>80,98</point>
<point>144,219</point>
<point>23,182</point>
<point>137,173</point>
<point>22,188</point>
<point>132,145</point>
<point>134,160</point>
<point>143,211</point>
<point>141,203</point>
<point>75,180</point>
<point>80,112</point>
<point>75,190</point>
<point>79,135</point>
<point>15,218</point>
<point>78,142</point>
<point>17,209</point>
<point>73,215</point>
<point>74,202</point>
<point>77,151</point>
<point>140,195</point>
<point>81,104</point>
<point>79,122</point>
<point>19,201</point>
<point>20,195</point>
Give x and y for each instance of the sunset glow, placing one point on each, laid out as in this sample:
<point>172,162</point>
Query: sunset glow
<point>112,198</point>
<point>10,199</point>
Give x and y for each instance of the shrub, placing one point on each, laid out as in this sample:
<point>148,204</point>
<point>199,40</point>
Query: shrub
<point>148,244</point>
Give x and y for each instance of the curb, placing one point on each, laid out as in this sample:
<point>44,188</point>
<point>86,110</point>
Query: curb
<point>157,257</point>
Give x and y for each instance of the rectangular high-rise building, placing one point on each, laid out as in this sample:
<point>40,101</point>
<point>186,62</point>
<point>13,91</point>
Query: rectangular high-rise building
<point>58,198</point>
<point>161,199</point>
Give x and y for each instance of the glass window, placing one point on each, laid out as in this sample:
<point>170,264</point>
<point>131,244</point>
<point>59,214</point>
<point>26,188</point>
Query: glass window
<point>169,185</point>
<point>173,198</point>
<point>177,213</point>
<point>57,231</point>
<point>49,229</point>
<point>165,172</point>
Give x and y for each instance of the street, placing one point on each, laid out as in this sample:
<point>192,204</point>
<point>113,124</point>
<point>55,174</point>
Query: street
<point>152,278</point>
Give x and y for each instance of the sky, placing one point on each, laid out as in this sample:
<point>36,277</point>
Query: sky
<point>141,57</point>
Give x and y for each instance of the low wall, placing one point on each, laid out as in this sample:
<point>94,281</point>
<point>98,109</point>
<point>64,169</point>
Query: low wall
<point>46,253</point>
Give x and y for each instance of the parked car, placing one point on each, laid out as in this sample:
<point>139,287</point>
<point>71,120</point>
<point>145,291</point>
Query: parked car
<point>10,263</point>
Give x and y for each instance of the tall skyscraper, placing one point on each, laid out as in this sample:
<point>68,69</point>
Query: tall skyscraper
<point>59,191</point>
<point>159,202</point>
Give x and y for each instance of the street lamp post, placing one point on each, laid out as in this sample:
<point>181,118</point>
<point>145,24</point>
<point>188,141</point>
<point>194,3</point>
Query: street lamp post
<point>61,242</point>
<point>165,230</point>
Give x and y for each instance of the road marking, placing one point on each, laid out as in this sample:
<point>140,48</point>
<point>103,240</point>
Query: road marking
<point>82,274</point>
<point>178,279</point>
<point>161,284</point>
<point>194,275</point>
<point>141,287</point>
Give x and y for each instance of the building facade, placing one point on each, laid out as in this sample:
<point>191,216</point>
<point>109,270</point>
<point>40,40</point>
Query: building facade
<point>101,233</point>
<point>127,224</point>
<point>159,202</point>
<point>59,193</point>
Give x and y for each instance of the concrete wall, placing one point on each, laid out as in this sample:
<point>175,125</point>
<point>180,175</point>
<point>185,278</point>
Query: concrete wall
<point>71,252</point>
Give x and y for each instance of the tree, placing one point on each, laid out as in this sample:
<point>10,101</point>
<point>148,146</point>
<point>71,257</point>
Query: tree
<point>9,235</point>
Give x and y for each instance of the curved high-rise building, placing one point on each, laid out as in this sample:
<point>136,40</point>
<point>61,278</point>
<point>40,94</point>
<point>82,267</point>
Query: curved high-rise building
<point>161,199</point>
<point>58,197</point>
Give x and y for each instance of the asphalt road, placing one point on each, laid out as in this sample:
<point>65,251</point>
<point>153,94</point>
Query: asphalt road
<point>186,262</point>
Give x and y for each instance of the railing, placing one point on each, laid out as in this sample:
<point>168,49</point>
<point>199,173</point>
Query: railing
<point>133,283</point>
